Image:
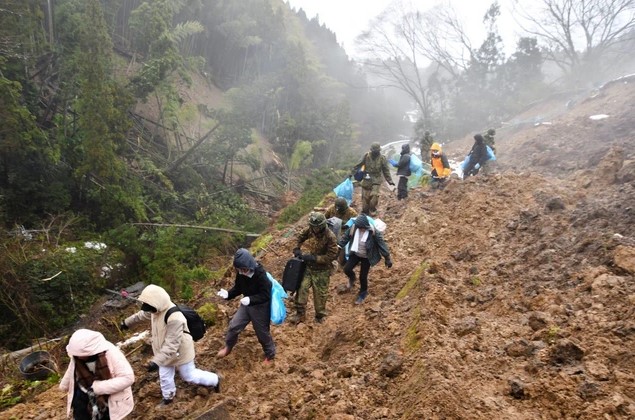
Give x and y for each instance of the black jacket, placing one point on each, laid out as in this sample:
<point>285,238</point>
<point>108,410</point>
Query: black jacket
<point>257,287</point>
<point>478,155</point>
<point>403,167</point>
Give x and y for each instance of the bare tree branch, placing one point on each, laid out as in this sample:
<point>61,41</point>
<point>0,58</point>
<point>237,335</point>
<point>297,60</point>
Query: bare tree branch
<point>401,41</point>
<point>580,34</point>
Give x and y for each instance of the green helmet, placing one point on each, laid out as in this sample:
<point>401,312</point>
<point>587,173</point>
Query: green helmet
<point>317,219</point>
<point>341,204</point>
<point>375,147</point>
<point>491,132</point>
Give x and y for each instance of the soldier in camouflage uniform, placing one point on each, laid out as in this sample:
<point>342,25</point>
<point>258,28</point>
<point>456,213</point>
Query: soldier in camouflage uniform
<point>344,212</point>
<point>489,139</point>
<point>321,249</point>
<point>489,166</point>
<point>341,210</point>
<point>375,165</point>
<point>425,144</point>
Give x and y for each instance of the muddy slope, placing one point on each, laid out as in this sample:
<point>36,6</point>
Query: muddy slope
<point>511,297</point>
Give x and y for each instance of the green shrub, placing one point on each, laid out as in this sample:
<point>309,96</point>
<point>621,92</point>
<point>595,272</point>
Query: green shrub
<point>261,243</point>
<point>318,185</point>
<point>46,289</point>
<point>209,313</point>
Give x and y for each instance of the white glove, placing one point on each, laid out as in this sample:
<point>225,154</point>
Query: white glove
<point>222,293</point>
<point>245,301</point>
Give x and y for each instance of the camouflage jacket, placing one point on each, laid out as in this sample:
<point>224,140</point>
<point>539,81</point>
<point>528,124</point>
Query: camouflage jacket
<point>489,140</point>
<point>323,245</point>
<point>345,215</point>
<point>375,167</point>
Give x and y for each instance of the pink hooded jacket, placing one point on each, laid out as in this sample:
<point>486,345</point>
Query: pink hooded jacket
<point>84,343</point>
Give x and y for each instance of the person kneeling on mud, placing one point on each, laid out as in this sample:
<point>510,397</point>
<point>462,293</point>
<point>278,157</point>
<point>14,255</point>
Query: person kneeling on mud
<point>255,306</point>
<point>440,167</point>
<point>321,247</point>
<point>172,344</point>
<point>367,246</point>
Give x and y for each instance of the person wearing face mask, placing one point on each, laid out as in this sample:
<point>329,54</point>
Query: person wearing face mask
<point>440,166</point>
<point>255,305</point>
<point>375,165</point>
<point>172,345</point>
<point>98,379</point>
<point>320,247</point>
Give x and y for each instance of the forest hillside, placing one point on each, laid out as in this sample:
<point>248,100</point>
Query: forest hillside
<point>511,297</point>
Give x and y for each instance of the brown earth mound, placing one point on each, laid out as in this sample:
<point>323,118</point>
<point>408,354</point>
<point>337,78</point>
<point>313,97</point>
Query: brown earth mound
<point>511,297</point>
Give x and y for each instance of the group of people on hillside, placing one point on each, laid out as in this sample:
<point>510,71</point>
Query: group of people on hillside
<point>99,378</point>
<point>374,166</point>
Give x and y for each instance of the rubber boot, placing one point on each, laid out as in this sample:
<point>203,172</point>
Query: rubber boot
<point>297,318</point>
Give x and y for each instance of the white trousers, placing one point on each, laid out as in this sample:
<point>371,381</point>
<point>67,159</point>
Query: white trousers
<point>189,373</point>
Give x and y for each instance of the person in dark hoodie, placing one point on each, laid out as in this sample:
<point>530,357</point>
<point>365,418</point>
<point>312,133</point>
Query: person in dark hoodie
<point>255,305</point>
<point>478,155</point>
<point>367,246</point>
<point>403,172</point>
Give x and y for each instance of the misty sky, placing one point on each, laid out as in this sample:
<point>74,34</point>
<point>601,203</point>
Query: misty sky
<point>347,18</point>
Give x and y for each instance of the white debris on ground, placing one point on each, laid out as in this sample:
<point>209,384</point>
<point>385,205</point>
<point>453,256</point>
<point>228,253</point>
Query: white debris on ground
<point>598,117</point>
<point>134,339</point>
<point>106,270</point>
<point>95,245</point>
<point>71,249</point>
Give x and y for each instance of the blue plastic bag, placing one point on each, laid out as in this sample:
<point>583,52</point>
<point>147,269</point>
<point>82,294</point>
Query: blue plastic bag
<point>416,166</point>
<point>393,162</point>
<point>345,190</point>
<point>278,310</point>
<point>490,154</point>
<point>465,162</point>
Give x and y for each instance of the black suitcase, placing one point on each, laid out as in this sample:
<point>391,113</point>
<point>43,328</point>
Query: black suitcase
<point>293,274</point>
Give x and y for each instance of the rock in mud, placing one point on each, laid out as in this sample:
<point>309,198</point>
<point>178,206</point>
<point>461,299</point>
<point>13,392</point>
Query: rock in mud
<point>589,391</point>
<point>520,348</point>
<point>466,326</point>
<point>517,389</point>
<point>565,352</point>
<point>554,204</point>
<point>391,365</point>
<point>624,258</point>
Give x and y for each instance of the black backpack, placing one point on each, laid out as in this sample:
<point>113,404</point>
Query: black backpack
<point>195,323</point>
<point>293,274</point>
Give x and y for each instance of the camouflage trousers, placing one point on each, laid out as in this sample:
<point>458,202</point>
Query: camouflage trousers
<point>319,281</point>
<point>370,199</point>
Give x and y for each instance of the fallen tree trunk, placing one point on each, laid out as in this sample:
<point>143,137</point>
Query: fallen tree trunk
<point>249,234</point>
